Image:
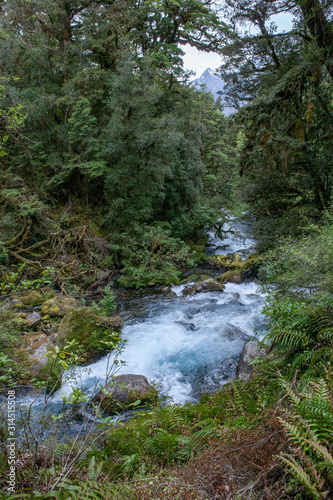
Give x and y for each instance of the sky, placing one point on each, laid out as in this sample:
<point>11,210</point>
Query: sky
<point>199,61</point>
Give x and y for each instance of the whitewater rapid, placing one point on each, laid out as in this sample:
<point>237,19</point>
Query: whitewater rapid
<point>190,345</point>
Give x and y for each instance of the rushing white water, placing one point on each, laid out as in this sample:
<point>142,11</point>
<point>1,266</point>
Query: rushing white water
<point>187,345</point>
<point>190,345</point>
<point>236,239</point>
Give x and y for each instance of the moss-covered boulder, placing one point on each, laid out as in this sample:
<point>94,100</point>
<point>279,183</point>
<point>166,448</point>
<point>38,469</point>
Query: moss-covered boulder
<point>230,277</point>
<point>31,354</point>
<point>89,331</point>
<point>236,263</point>
<point>208,285</point>
<point>59,306</point>
<point>34,298</point>
<point>125,390</point>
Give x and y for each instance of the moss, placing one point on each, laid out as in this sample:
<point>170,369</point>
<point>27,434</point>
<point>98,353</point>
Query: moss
<point>149,399</point>
<point>89,331</point>
<point>31,299</point>
<point>192,277</point>
<point>48,373</point>
<point>237,264</point>
<point>59,306</point>
<point>202,277</point>
<point>230,277</point>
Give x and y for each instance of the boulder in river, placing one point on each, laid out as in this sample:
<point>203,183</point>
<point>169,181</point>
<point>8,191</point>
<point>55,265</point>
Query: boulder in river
<point>190,327</point>
<point>250,352</point>
<point>230,277</point>
<point>208,285</point>
<point>90,332</point>
<point>124,391</point>
<point>231,332</point>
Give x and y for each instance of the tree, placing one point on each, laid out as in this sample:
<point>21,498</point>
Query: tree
<point>110,120</point>
<point>287,155</point>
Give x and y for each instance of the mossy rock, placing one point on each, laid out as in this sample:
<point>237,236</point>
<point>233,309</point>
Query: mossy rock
<point>34,298</point>
<point>50,373</point>
<point>208,285</point>
<point>236,263</point>
<point>192,277</point>
<point>202,277</point>
<point>59,306</point>
<point>31,354</point>
<point>126,391</point>
<point>89,331</point>
<point>230,277</point>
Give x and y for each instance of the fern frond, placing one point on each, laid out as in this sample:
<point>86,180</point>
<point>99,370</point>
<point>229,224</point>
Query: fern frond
<point>302,476</point>
<point>291,338</point>
<point>321,451</point>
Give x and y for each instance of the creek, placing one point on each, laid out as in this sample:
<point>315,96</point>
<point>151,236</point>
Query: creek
<point>190,345</point>
<point>185,345</point>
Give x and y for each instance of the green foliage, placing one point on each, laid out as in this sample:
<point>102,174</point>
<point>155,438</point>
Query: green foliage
<point>300,307</point>
<point>107,305</point>
<point>11,116</point>
<point>3,253</point>
<point>11,326</point>
<point>11,372</point>
<point>114,126</point>
<point>309,428</point>
<point>303,332</point>
<point>303,266</point>
<point>164,436</point>
<point>286,82</point>
<point>153,257</point>
<point>81,490</point>
<point>13,282</point>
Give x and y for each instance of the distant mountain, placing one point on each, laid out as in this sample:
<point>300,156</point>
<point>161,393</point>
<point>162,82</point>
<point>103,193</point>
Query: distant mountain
<point>214,84</point>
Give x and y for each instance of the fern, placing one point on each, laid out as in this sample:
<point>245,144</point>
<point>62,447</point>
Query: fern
<point>84,490</point>
<point>302,476</point>
<point>303,332</point>
<point>309,428</point>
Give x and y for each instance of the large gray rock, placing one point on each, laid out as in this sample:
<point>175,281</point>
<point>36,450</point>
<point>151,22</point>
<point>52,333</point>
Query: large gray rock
<point>125,390</point>
<point>33,318</point>
<point>231,332</point>
<point>35,346</point>
<point>249,353</point>
<point>208,285</point>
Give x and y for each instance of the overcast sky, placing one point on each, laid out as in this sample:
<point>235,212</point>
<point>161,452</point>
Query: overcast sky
<point>199,61</point>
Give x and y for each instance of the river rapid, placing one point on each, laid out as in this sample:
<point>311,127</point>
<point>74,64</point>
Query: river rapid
<point>190,345</point>
<point>185,345</point>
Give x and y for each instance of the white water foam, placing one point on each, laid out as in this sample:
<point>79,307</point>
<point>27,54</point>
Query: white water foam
<point>188,345</point>
<point>178,342</point>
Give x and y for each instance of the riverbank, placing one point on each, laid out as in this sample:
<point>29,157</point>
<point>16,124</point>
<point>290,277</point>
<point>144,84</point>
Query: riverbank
<point>250,439</point>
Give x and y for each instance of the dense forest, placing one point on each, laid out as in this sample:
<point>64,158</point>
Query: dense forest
<point>113,167</point>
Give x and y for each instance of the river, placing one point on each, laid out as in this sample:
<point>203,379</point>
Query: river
<point>190,345</point>
<point>185,345</point>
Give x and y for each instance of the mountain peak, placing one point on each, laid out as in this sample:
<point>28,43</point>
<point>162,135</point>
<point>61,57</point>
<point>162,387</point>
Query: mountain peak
<point>214,84</point>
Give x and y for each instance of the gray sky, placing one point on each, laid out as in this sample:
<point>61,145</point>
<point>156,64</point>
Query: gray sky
<point>199,61</point>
